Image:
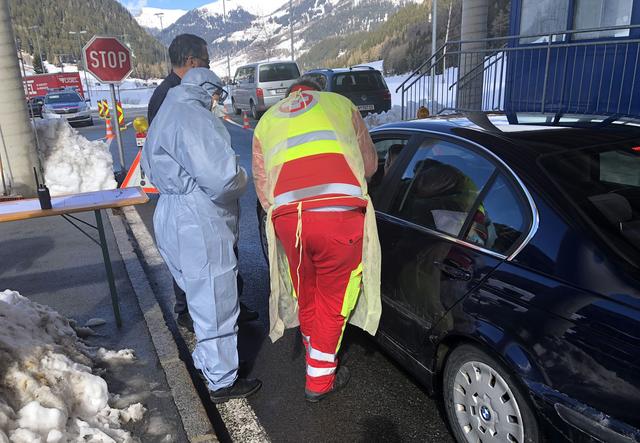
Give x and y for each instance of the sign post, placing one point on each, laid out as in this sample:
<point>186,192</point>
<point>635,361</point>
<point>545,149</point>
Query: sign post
<point>108,60</point>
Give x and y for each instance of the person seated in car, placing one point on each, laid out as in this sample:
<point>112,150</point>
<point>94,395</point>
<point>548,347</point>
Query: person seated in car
<point>392,156</point>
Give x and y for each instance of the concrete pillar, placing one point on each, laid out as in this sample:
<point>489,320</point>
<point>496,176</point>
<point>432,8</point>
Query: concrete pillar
<point>474,26</point>
<point>17,142</point>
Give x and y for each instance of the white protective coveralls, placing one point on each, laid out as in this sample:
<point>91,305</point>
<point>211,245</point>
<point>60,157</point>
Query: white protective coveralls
<point>189,158</point>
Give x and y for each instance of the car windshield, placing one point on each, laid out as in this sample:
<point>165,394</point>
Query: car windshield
<point>604,183</point>
<point>358,81</point>
<point>65,97</point>
<point>278,72</point>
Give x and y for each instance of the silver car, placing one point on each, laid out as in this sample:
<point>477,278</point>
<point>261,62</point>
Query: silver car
<point>258,86</point>
<point>67,104</point>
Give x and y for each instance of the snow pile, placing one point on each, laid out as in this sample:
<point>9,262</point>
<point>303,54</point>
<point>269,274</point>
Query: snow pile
<point>47,390</point>
<point>72,163</point>
<point>392,115</point>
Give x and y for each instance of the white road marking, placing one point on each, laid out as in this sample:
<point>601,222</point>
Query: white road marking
<point>238,415</point>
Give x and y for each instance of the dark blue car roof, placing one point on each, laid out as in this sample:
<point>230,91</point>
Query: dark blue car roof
<point>531,140</point>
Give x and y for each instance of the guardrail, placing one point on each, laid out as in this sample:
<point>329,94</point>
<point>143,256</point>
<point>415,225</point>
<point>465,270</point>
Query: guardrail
<point>591,71</point>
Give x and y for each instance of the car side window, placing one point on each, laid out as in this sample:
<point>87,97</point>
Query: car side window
<point>320,79</point>
<point>500,219</point>
<point>242,75</point>
<point>389,150</point>
<point>440,185</point>
<point>251,75</point>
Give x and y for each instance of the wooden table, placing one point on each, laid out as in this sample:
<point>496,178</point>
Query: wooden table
<point>65,205</point>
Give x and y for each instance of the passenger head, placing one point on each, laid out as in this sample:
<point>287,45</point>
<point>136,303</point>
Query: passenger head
<point>392,155</point>
<point>188,51</point>
<point>304,83</point>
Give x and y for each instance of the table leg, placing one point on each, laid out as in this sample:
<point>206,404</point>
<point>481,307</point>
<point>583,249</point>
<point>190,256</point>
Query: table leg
<point>107,264</point>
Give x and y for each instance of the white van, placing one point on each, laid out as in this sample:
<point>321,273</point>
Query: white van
<point>258,86</point>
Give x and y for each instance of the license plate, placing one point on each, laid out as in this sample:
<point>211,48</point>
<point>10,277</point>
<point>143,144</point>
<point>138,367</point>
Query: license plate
<point>281,91</point>
<point>366,107</point>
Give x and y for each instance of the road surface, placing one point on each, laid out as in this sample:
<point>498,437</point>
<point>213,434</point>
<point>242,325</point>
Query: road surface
<point>381,403</point>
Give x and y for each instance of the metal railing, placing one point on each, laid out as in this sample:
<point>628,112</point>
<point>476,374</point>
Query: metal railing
<point>590,71</point>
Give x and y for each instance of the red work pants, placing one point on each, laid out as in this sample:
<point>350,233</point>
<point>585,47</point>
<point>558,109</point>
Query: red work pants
<point>326,272</point>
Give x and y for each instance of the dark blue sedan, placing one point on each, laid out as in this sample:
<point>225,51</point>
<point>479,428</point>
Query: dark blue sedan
<point>511,274</point>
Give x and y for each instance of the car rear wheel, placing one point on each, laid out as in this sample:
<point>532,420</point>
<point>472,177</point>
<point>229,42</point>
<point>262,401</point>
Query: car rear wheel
<point>254,112</point>
<point>483,401</point>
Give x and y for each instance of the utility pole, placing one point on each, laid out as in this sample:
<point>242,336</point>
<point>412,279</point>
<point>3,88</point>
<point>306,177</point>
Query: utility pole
<point>38,40</point>
<point>226,39</point>
<point>166,62</point>
<point>77,34</point>
<point>18,154</point>
<point>434,38</point>
<point>291,28</point>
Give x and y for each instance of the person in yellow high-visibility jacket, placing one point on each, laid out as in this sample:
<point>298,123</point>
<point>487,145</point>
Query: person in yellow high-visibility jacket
<point>312,154</point>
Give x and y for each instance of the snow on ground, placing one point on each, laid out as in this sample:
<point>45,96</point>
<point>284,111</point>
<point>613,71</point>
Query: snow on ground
<point>48,392</point>
<point>393,115</point>
<point>72,163</point>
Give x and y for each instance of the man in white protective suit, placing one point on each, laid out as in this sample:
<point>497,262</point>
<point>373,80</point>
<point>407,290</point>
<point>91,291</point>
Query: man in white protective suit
<point>189,158</point>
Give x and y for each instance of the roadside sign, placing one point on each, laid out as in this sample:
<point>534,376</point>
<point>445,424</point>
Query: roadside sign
<point>135,177</point>
<point>107,59</point>
<point>40,84</point>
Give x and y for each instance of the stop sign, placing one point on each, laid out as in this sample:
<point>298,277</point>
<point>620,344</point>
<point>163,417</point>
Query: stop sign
<point>107,59</point>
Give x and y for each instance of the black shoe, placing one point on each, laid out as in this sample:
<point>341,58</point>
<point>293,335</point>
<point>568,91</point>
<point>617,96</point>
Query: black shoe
<point>242,388</point>
<point>246,314</point>
<point>341,380</point>
<point>185,320</point>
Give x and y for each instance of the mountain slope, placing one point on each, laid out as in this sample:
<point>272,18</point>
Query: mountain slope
<point>403,41</point>
<point>56,18</point>
<point>147,17</point>
<point>250,34</point>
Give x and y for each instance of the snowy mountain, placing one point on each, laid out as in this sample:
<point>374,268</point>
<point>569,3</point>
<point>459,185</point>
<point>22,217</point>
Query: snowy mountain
<point>258,30</point>
<point>147,18</point>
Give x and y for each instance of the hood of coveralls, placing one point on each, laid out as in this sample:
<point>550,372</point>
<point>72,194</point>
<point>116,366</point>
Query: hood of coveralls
<point>199,84</point>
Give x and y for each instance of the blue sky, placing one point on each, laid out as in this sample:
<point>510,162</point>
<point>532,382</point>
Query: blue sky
<point>166,4</point>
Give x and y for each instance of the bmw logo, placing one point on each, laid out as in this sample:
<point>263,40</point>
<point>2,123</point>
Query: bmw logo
<point>485,413</point>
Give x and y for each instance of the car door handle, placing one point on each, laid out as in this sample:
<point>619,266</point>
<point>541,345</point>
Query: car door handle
<point>453,271</point>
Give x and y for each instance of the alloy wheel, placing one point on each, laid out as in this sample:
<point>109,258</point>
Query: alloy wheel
<point>485,406</point>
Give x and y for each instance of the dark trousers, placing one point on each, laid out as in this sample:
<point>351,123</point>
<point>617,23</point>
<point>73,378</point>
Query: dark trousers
<point>181,296</point>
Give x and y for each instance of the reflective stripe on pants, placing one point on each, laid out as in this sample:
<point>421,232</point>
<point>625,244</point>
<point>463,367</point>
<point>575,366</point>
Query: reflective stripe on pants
<point>330,272</point>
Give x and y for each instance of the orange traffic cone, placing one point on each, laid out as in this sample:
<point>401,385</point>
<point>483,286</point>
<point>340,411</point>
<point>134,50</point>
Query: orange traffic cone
<point>245,121</point>
<point>110,135</point>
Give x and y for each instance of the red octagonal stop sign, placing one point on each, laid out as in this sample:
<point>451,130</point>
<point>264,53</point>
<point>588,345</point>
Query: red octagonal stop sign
<point>107,59</point>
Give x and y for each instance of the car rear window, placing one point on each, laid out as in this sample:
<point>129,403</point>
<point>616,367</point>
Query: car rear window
<point>62,98</point>
<point>358,81</point>
<point>278,72</point>
<point>604,183</point>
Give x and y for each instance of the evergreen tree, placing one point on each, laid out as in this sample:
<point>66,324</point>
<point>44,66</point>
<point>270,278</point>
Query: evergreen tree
<point>55,18</point>
<point>38,66</point>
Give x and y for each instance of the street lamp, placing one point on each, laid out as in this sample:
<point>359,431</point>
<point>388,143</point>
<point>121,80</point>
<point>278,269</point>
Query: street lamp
<point>160,15</point>
<point>38,40</point>
<point>77,34</point>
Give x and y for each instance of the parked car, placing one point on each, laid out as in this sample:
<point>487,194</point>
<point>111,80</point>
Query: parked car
<point>67,104</point>
<point>35,106</point>
<point>363,85</point>
<point>258,86</point>
<point>511,275</point>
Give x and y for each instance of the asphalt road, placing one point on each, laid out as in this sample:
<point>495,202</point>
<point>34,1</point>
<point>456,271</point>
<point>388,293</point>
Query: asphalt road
<point>381,403</point>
